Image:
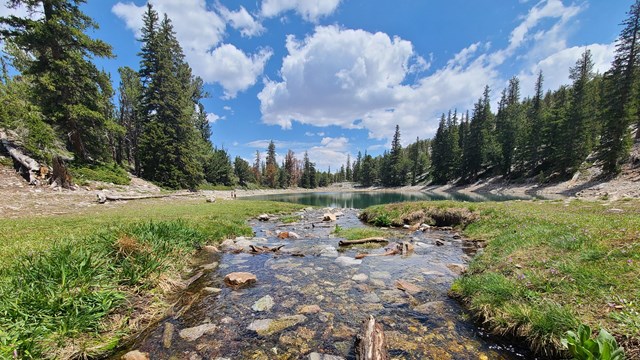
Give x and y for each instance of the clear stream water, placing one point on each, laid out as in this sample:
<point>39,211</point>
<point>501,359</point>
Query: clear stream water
<point>424,325</point>
<point>363,199</point>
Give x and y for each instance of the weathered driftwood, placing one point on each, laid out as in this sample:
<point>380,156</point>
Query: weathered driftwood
<point>103,198</point>
<point>371,344</point>
<point>363,241</point>
<point>60,176</point>
<point>34,170</point>
<point>264,249</point>
<point>388,253</point>
<point>404,248</point>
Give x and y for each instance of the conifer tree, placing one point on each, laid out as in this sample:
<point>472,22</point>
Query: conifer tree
<point>271,169</point>
<point>619,108</point>
<point>509,121</point>
<point>242,171</point>
<point>349,174</point>
<point>129,93</point>
<point>73,95</point>
<point>439,153</point>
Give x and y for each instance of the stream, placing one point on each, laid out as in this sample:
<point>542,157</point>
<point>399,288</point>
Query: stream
<point>311,298</point>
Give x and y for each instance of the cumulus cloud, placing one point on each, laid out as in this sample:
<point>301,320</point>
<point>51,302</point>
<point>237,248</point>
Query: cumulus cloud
<point>357,79</point>
<point>328,152</point>
<point>242,21</point>
<point>201,31</point>
<point>212,118</point>
<point>310,10</point>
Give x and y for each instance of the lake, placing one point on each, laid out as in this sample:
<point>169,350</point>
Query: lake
<point>363,199</point>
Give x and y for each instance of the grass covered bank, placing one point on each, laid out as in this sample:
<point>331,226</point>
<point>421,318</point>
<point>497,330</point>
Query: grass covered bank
<point>78,284</point>
<point>546,266</point>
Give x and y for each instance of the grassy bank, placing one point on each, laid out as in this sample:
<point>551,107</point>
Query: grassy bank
<point>546,266</point>
<point>78,284</point>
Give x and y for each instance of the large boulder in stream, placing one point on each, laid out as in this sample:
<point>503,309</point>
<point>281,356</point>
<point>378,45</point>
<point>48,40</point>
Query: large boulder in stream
<point>240,279</point>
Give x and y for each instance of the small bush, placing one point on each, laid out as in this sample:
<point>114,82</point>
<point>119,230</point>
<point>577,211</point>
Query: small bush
<point>109,173</point>
<point>583,347</point>
<point>382,220</point>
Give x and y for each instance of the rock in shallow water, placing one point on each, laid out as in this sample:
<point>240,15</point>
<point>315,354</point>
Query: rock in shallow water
<point>194,333</point>
<point>239,279</point>
<point>309,309</point>
<point>319,356</point>
<point>359,277</point>
<point>347,261</point>
<point>266,327</point>
<point>135,355</point>
<point>263,304</point>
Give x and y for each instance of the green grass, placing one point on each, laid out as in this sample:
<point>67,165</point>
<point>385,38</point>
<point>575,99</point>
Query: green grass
<point>359,233</point>
<point>109,173</point>
<point>546,266</point>
<point>64,278</point>
<point>290,219</point>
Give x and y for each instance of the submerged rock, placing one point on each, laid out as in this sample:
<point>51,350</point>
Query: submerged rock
<point>432,307</point>
<point>309,309</point>
<point>263,304</point>
<point>408,287</point>
<point>359,277</point>
<point>194,333</point>
<point>135,355</point>
<point>458,269</point>
<point>347,261</point>
<point>239,279</point>
<point>266,327</point>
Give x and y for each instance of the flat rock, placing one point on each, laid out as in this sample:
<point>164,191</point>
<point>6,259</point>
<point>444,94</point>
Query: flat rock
<point>135,355</point>
<point>371,298</point>
<point>309,309</point>
<point>360,277</point>
<point>380,275</point>
<point>432,307</point>
<point>266,327</point>
<point>210,266</point>
<point>319,356</point>
<point>194,333</point>
<point>167,335</point>
<point>457,269</point>
<point>239,279</point>
<point>408,287</point>
<point>329,217</point>
<point>265,303</point>
<point>347,261</point>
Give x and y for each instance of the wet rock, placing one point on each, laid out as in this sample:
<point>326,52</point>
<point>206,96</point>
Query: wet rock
<point>432,273</point>
<point>319,356</point>
<point>266,327</point>
<point>289,303</point>
<point>347,261</point>
<point>377,283</point>
<point>343,332</point>
<point>194,333</point>
<point>380,275</point>
<point>265,303</point>
<point>309,309</point>
<point>284,278</point>
<point>439,242</point>
<point>371,298</point>
<point>135,355</point>
<point>329,217</point>
<point>457,236</point>
<point>263,217</point>
<point>432,307</point>
<point>359,277</point>
<point>228,244</point>
<point>239,279</point>
<point>211,290</point>
<point>293,235</point>
<point>408,287</point>
<point>457,269</point>
<point>211,249</point>
<point>325,316</point>
<point>211,266</point>
<point>167,335</point>
<point>329,251</point>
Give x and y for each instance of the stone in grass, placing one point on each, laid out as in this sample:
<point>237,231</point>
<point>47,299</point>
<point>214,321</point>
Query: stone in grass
<point>196,332</point>
<point>265,303</point>
<point>240,279</point>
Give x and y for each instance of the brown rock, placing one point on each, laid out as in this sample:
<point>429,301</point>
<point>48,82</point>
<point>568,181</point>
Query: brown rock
<point>309,309</point>
<point>135,355</point>
<point>211,249</point>
<point>283,235</point>
<point>239,279</point>
<point>408,287</point>
<point>458,269</point>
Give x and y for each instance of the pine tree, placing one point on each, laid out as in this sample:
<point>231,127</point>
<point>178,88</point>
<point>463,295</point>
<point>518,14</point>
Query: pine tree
<point>439,153</point>
<point>242,171</point>
<point>368,171</point>
<point>349,174</point>
<point>357,168</point>
<point>129,93</point>
<point>171,148</point>
<point>257,174</point>
<point>480,149</point>
<point>578,129</point>
<point>73,95</point>
<point>509,121</point>
<point>308,179</point>
<point>290,166</point>
<point>619,109</point>
<point>397,165</point>
<point>271,170</point>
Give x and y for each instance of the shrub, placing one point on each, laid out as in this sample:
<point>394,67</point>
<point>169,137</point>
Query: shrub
<point>582,347</point>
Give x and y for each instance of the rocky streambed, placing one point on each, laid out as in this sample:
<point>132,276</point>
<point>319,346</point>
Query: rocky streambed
<point>309,299</point>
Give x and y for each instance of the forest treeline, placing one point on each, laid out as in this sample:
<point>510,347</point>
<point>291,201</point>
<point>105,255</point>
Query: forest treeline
<point>61,105</point>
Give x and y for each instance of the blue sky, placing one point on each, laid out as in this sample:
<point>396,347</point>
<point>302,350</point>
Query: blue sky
<point>336,76</point>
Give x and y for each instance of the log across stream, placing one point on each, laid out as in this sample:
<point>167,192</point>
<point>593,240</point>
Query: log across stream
<point>312,298</point>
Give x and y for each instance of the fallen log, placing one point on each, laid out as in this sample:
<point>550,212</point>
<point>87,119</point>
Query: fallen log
<point>371,344</point>
<point>103,198</point>
<point>363,241</point>
<point>34,170</point>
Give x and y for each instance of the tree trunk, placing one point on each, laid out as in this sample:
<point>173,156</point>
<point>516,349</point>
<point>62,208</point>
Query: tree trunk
<point>33,171</point>
<point>363,241</point>
<point>61,176</point>
<point>371,344</point>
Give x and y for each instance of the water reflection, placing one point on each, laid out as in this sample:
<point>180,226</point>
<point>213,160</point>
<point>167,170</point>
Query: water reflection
<point>363,199</point>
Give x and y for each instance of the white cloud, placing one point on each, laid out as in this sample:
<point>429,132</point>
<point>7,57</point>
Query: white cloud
<point>310,10</point>
<point>356,79</point>
<point>212,118</point>
<point>201,31</point>
<point>243,21</point>
<point>331,152</point>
